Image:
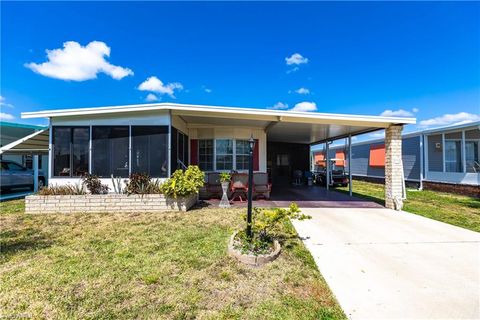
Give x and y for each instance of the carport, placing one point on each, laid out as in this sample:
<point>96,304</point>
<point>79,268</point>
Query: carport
<point>289,136</point>
<point>35,144</point>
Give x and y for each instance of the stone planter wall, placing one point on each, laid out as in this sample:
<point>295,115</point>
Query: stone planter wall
<point>251,259</point>
<point>106,203</point>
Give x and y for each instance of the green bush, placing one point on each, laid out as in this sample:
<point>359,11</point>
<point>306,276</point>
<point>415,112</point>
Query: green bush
<point>141,183</point>
<point>184,183</point>
<point>94,185</point>
<point>64,190</point>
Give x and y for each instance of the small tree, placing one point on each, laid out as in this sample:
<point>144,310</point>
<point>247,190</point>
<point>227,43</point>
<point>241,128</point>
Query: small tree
<point>266,223</point>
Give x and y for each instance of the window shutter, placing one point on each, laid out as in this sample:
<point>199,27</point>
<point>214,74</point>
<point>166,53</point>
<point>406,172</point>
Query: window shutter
<point>377,155</point>
<point>256,157</point>
<point>340,155</point>
<point>193,151</point>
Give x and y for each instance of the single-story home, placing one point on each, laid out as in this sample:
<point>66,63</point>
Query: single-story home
<point>445,158</point>
<point>158,138</point>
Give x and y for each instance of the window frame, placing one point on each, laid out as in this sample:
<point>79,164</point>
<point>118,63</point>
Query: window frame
<point>214,154</point>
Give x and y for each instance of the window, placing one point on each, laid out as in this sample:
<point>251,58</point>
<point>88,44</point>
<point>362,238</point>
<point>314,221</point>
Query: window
<point>150,150</point>
<point>453,156</point>
<point>242,154</point>
<point>205,155</point>
<point>110,151</point>
<point>70,151</point>
<point>224,154</point>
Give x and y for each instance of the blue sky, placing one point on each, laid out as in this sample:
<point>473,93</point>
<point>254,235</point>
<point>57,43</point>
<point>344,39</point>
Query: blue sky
<point>414,59</point>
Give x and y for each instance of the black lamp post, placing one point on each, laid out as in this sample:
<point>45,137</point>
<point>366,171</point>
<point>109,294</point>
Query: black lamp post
<point>251,144</point>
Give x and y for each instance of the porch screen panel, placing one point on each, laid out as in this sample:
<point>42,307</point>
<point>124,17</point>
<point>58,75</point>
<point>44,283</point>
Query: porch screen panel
<point>80,145</point>
<point>61,151</point>
<point>70,151</point>
<point>150,150</point>
<point>110,151</point>
<point>453,152</point>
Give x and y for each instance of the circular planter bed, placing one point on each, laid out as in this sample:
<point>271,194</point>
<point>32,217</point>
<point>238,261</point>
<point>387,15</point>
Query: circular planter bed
<point>251,259</point>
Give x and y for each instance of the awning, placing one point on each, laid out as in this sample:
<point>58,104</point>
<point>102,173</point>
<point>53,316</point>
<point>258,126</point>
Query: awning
<point>35,143</point>
<point>279,125</point>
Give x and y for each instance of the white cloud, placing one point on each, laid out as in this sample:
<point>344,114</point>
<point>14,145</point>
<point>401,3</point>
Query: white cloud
<point>208,90</point>
<point>4,104</point>
<point>396,113</point>
<point>151,97</point>
<point>450,119</point>
<point>6,116</point>
<point>415,110</point>
<point>296,59</point>
<point>305,106</point>
<point>79,63</point>
<point>279,106</point>
<point>302,91</point>
<point>156,85</point>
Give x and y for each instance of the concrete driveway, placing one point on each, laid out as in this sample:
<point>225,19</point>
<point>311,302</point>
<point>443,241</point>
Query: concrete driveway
<point>386,264</point>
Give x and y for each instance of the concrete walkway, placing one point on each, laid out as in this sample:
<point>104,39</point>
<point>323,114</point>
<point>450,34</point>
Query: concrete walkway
<point>384,264</point>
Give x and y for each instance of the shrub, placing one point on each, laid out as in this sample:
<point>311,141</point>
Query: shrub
<point>94,185</point>
<point>225,177</point>
<point>76,189</point>
<point>266,222</point>
<point>141,183</point>
<point>184,183</point>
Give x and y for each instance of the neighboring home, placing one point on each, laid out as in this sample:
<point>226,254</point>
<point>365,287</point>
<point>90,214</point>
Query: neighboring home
<point>11,132</point>
<point>444,158</point>
<point>158,138</point>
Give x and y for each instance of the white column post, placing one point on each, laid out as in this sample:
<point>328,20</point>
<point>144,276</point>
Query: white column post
<point>35,172</point>
<point>464,155</point>
<point>443,152</point>
<point>393,167</point>
<point>327,166</point>
<point>350,165</point>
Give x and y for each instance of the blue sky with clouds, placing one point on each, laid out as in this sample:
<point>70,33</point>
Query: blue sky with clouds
<point>418,59</point>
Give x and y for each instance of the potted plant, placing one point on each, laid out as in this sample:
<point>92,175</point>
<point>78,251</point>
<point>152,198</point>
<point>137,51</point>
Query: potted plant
<point>225,181</point>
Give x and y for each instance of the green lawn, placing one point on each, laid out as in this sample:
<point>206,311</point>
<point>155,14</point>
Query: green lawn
<point>171,266</point>
<point>458,210</point>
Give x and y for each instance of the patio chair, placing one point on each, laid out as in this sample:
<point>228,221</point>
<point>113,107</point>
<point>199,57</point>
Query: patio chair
<point>261,186</point>
<point>239,186</point>
<point>213,185</point>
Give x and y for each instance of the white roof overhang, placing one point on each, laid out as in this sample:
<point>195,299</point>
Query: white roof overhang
<point>285,126</point>
<point>35,143</point>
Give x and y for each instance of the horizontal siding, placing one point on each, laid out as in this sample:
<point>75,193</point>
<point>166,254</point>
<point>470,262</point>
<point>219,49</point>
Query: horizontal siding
<point>435,156</point>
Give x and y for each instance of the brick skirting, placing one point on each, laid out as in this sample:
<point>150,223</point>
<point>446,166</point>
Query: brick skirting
<point>463,189</point>
<point>100,203</point>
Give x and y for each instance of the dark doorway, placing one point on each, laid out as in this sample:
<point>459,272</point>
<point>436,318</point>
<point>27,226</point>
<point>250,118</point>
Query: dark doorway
<point>284,158</point>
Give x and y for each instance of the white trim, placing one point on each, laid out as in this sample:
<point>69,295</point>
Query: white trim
<point>308,116</point>
<point>19,141</point>
<point>443,151</point>
<point>463,156</point>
